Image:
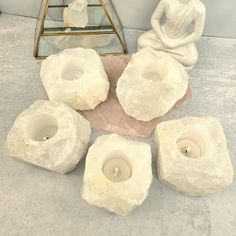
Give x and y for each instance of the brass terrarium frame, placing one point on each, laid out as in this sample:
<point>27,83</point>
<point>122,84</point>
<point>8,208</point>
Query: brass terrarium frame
<point>113,29</point>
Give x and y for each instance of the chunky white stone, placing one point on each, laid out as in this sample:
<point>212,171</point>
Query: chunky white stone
<point>121,197</point>
<point>75,77</point>
<point>151,84</point>
<point>172,35</point>
<point>75,15</point>
<point>50,135</point>
<point>197,175</point>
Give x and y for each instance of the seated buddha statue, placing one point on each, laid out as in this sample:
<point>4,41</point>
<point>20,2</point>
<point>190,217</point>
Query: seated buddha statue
<point>176,26</point>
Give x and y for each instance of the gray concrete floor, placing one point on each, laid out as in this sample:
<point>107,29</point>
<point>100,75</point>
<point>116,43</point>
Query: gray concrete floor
<point>34,201</point>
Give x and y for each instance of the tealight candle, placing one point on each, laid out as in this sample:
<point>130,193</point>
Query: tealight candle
<point>117,170</point>
<point>46,133</point>
<point>42,127</point>
<point>189,148</point>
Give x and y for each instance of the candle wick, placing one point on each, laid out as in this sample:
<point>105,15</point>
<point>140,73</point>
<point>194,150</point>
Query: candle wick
<point>116,171</point>
<point>187,150</point>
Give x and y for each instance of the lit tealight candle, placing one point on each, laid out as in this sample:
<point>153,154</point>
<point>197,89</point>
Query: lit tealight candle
<point>189,148</point>
<point>117,170</point>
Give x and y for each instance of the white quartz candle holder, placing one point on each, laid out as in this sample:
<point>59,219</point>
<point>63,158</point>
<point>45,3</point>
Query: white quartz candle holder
<point>76,15</point>
<point>75,77</point>
<point>50,135</point>
<point>118,174</point>
<point>151,85</point>
<point>193,157</point>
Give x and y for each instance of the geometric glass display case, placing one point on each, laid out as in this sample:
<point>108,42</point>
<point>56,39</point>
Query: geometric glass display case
<point>103,33</point>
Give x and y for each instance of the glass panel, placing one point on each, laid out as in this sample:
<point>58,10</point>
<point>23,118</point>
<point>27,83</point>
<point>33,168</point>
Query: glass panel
<point>96,17</point>
<point>103,43</point>
<point>115,20</point>
<point>56,2</point>
<point>66,2</point>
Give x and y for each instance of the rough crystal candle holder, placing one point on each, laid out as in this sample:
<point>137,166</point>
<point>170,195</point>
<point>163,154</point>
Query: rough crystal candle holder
<point>151,84</point>
<point>75,77</point>
<point>118,174</point>
<point>193,157</point>
<point>50,135</point>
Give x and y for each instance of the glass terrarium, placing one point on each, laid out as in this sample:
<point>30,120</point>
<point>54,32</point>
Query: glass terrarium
<point>103,32</point>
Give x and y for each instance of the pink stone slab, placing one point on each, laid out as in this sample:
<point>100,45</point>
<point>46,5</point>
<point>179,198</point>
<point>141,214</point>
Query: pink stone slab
<point>110,116</point>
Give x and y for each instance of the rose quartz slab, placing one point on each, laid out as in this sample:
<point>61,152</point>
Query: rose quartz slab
<point>110,116</point>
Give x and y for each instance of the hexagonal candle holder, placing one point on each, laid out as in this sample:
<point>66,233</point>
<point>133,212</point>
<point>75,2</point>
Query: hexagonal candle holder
<point>118,174</point>
<point>193,157</point>
<point>50,135</point>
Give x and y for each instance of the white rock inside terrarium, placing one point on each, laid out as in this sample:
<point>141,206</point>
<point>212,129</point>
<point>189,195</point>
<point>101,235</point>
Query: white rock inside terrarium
<point>118,174</point>
<point>193,157</point>
<point>151,84</point>
<point>50,135</point>
<point>84,41</point>
<point>75,77</point>
<point>76,15</point>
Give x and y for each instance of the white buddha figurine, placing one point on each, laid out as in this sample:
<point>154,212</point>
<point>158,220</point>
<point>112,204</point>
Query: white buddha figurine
<point>175,36</point>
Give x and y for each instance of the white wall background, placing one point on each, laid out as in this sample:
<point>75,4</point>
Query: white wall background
<point>135,14</point>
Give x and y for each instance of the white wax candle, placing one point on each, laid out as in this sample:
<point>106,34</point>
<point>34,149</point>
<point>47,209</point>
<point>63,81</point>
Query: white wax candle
<point>117,170</point>
<point>46,133</point>
<point>189,148</point>
<point>42,127</point>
